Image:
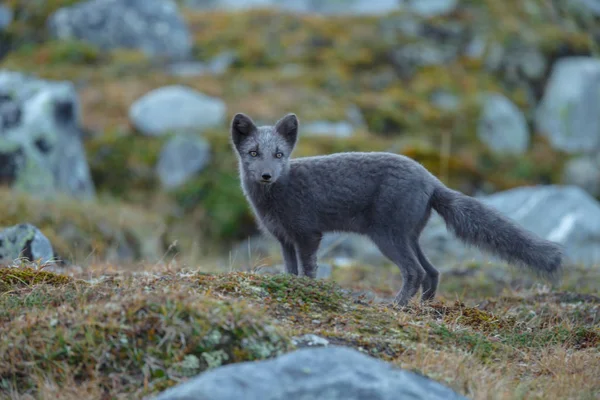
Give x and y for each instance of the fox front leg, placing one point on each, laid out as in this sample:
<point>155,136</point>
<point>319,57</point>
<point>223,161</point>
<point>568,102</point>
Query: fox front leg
<point>288,251</point>
<point>307,254</point>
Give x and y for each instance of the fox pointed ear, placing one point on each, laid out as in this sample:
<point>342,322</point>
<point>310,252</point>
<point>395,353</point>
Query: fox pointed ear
<point>287,127</point>
<point>242,126</point>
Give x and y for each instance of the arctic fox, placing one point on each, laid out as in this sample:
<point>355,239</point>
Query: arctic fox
<point>385,196</point>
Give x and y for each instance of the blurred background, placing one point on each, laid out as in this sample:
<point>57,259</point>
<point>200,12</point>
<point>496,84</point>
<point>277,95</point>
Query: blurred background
<point>114,114</point>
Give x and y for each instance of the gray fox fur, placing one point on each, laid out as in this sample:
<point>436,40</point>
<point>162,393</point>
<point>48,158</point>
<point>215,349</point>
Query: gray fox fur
<point>385,196</point>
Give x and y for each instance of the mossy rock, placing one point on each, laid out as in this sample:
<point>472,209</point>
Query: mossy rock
<point>158,339</point>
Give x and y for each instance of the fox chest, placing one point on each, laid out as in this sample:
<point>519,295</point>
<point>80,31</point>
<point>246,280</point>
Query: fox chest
<point>276,220</point>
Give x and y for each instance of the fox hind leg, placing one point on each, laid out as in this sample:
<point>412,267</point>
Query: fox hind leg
<point>430,282</point>
<point>402,254</point>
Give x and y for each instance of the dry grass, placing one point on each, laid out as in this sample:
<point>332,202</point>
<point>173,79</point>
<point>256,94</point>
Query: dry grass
<point>124,335</point>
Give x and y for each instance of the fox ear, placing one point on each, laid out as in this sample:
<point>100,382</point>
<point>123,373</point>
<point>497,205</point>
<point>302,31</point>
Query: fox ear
<point>242,126</point>
<point>288,128</point>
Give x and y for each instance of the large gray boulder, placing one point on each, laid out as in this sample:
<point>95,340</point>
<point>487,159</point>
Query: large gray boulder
<point>565,214</point>
<point>176,108</point>
<point>327,373</point>
<point>181,158</point>
<point>152,26</point>
<point>24,241</point>
<point>569,113</point>
<point>502,126</point>
<point>40,145</point>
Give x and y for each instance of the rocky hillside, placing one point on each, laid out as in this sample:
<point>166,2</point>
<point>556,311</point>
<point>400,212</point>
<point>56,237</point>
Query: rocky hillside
<point>132,267</point>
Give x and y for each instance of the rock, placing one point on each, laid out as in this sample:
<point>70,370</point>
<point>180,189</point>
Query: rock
<point>430,8</point>
<point>585,7</point>
<point>40,145</point>
<point>6,17</point>
<point>330,7</point>
<point>565,214</point>
<point>350,246</point>
<point>332,373</point>
<point>585,173</point>
<point>569,113</point>
<point>324,128</point>
<point>153,26</point>
<point>217,66</point>
<point>24,241</point>
<point>309,340</point>
<point>176,108</point>
<point>432,44</point>
<point>502,126</point>
<point>444,100</point>
<point>182,157</point>
<point>355,116</point>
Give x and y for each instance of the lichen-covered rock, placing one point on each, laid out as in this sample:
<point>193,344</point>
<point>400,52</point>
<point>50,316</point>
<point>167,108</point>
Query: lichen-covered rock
<point>176,108</point>
<point>181,158</point>
<point>502,126</point>
<point>24,241</point>
<point>332,373</point>
<point>40,144</point>
<point>569,113</point>
<point>564,214</point>
<point>152,26</point>
<point>585,173</point>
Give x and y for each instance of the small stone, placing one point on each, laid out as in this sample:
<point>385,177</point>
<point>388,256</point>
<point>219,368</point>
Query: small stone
<point>6,17</point>
<point>585,173</point>
<point>182,157</point>
<point>309,340</point>
<point>27,241</point>
<point>502,126</point>
<point>176,108</point>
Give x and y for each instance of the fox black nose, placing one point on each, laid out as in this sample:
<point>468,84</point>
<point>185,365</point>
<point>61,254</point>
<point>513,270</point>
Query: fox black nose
<point>266,177</point>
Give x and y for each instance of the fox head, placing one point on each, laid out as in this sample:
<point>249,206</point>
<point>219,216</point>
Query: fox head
<point>264,152</point>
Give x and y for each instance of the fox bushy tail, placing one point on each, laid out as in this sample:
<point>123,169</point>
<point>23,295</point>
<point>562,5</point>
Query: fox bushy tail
<point>482,226</point>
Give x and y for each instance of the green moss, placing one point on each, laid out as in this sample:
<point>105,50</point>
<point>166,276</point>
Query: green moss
<point>11,278</point>
<point>284,290</point>
<point>30,18</point>
<point>474,343</point>
<point>60,52</point>
<point>124,163</point>
<point>158,339</point>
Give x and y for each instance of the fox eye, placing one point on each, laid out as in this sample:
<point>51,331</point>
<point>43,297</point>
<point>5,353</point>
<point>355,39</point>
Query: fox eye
<point>279,155</point>
<point>253,153</point>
